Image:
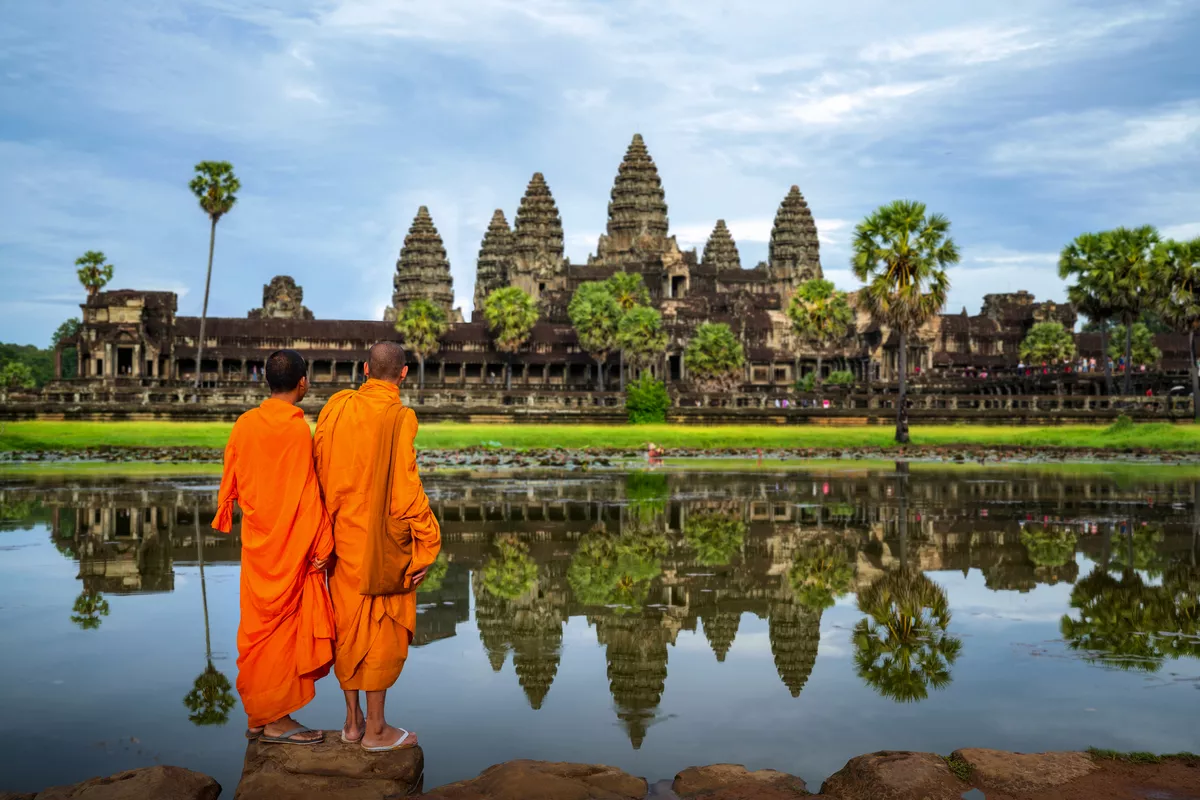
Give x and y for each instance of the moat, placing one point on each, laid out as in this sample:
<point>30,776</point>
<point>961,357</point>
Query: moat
<point>647,620</point>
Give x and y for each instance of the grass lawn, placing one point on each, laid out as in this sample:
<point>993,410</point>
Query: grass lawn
<point>1154,436</point>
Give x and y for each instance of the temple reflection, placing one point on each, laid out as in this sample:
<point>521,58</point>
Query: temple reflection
<point>642,557</point>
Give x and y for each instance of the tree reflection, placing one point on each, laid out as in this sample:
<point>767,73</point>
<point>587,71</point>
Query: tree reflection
<point>902,648</point>
<point>211,697</point>
<point>511,573</point>
<point>715,538</point>
<point>616,569</point>
<point>436,575</point>
<point>88,609</point>
<point>1049,545</point>
<point>820,574</point>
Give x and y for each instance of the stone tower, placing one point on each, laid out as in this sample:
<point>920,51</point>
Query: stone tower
<point>495,259</point>
<point>720,251</point>
<point>282,299</point>
<point>422,269</point>
<point>795,633</point>
<point>537,264</point>
<point>720,628</point>
<point>794,252</point>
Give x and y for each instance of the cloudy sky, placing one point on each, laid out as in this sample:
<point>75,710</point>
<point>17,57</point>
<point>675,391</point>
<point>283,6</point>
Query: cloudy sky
<point>1026,122</point>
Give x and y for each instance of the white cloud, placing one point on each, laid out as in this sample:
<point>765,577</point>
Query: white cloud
<point>968,45</point>
<point>1186,230</point>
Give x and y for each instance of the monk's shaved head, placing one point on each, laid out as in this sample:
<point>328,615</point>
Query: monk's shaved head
<point>386,361</point>
<point>285,369</point>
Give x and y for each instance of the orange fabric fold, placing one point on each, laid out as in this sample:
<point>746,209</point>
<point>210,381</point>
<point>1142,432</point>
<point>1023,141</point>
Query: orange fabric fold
<point>287,628</point>
<point>373,632</point>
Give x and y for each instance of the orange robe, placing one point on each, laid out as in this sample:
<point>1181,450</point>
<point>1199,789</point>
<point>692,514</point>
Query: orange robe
<point>285,636</point>
<point>373,632</point>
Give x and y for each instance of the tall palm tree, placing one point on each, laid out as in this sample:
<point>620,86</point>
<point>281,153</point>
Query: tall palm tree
<point>820,315</point>
<point>629,290</point>
<point>511,315</point>
<point>1130,258</point>
<point>421,325</point>
<point>93,271</point>
<point>216,187</point>
<point>1091,293</point>
<point>1177,274</point>
<point>901,254</point>
<point>595,315</point>
<point>641,337</point>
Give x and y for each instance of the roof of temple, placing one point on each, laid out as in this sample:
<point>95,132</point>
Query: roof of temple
<point>720,251</point>
<point>794,235</point>
<point>422,270</point>
<point>495,258</point>
<point>638,204</point>
<point>538,226</point>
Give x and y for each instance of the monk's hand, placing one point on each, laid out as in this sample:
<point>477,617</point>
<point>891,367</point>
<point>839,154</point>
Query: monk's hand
<point>419,576</point>
<point>319,564</point>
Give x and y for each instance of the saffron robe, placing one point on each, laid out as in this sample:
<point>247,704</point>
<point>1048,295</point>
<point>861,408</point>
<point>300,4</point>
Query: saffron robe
<point>286,632</point>
<point>373,632</point>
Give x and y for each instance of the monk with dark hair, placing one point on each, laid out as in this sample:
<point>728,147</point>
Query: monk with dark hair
<point>385,535</point>
<point>285,635</point>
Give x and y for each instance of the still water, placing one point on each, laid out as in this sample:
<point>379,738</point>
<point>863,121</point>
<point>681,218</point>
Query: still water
<point>647,620</point>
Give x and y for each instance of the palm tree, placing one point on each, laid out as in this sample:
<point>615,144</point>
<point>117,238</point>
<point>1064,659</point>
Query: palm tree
<point>714,357</point>
<point>1177,273</point>
<point>512,572</point>
<point>511,315</point>
<point>89,608</point>
<point>820,574</point>
<point>421,325</point>
<point>1130,259</point>
<point>93,272</point>
<point>629,290</point>
<point>211,697</point>
<point>216,187</point>
<point>1090,294</point>
<point>715,538</point>
<point>820,316</point>
<point>641,337</point>
<point>901,254</point>
<point>595,314</point>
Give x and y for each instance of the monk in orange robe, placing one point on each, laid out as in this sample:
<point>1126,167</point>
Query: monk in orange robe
<point>373,631</point>
<point>285,636</point>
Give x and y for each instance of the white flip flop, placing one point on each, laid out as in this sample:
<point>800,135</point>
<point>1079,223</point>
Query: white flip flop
<point>397,745</point>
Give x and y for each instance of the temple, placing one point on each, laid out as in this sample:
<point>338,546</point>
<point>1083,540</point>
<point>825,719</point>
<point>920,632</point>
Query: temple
<point>133,340</point>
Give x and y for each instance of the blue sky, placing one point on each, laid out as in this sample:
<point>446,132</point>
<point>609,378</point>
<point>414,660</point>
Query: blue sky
<point>1026,122</point>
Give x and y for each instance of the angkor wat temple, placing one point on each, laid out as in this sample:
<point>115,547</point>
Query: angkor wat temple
<point>134,349</point>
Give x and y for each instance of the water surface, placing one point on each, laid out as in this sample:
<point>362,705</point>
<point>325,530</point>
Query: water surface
<point>647,620</point>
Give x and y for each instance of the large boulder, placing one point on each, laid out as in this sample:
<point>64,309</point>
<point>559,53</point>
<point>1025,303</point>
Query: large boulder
<point>892,775</point>
<point>735,782</point>
<point>332,770</point>
<point>1023,773</point>
<point>541,780</point>
<point>147,783</point>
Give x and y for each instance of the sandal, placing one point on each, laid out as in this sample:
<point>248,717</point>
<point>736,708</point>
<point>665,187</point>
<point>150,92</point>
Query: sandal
<point>287,737</point>
<point>396,745</point>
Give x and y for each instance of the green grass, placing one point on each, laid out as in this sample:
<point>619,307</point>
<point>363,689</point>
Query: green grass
<point>1139,756</point>
<point>957,765</point>
<point>109,469</point>
<point>1162,437</point>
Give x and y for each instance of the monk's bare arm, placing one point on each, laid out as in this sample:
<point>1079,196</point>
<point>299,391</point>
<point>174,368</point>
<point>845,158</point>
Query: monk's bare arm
<point>410,503</point>
<point>223,521</point>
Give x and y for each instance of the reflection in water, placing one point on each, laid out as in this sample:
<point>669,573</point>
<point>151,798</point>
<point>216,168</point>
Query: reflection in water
<point>645,556</point>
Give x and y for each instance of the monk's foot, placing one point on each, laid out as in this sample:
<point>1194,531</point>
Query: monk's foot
<point>254,733</point>
<point>389,738</point>
<point>282,727</point>
<point>354,727</point>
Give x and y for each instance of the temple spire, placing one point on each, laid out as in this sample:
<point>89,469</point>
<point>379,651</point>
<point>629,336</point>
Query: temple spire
<point>794,251</point>
<point>638,207</point>
<point>495,258</point>
<point>538,230</point>
<point>422,269</point>
<point>720,251</point>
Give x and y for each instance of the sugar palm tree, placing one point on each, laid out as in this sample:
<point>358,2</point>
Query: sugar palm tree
<point>641,337</point>
<point>421,325</point>
<point>714,357</point>
<point>1083,260</point>
<point>211,698</point>
<point>901,254</point>
<point>93,270</point>
<point>511,315</point>
<point>629,290</point>
<point>821,316</point>
<point>1177,274</point>
<point>1130,261</point>
<point>88,609</point>
<point>714,537</point>
<point>216,187</point>
<point>595,315</point>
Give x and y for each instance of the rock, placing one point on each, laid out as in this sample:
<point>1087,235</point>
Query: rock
<point>17,795</point>
<point>148,783</point>
<point>540,780</point>
<point>734,782</point>
<point>1021,773</point>
<point>892,775</point>
<point>332,770</point>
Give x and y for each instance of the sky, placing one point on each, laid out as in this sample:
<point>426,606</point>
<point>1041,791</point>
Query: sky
<point>1026,123</point>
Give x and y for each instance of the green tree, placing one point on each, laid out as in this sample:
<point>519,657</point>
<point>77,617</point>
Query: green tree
<point>641,337</point>
<point>1048,545</point>
<point>616,569</point>
<point>436,575</point>
<point>216,187</point>
<point>511,315</point>
<point>93,271</point>
<point>901,254</point>
<point>820,574</point>
<point>901,648</point>
<point>68,330</point>
<point>421,325</point>
<point>595,314</point>
<point>715,538</point>
<point>1048,342</point>
<point>1083,261</point>
<point>511,572</point>
<point>17,375</point>
<point>647,401</point>
<point>821,316</point>
<point>1177,273</point>
<point>1139,345</point>
<point>628,289</point>
<point>211,698</point>
<point>714,357</point>
<point>88,609</point>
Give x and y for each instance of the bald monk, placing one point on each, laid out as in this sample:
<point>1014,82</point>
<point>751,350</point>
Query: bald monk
<point>373,630</point>
<point>285,636</point>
